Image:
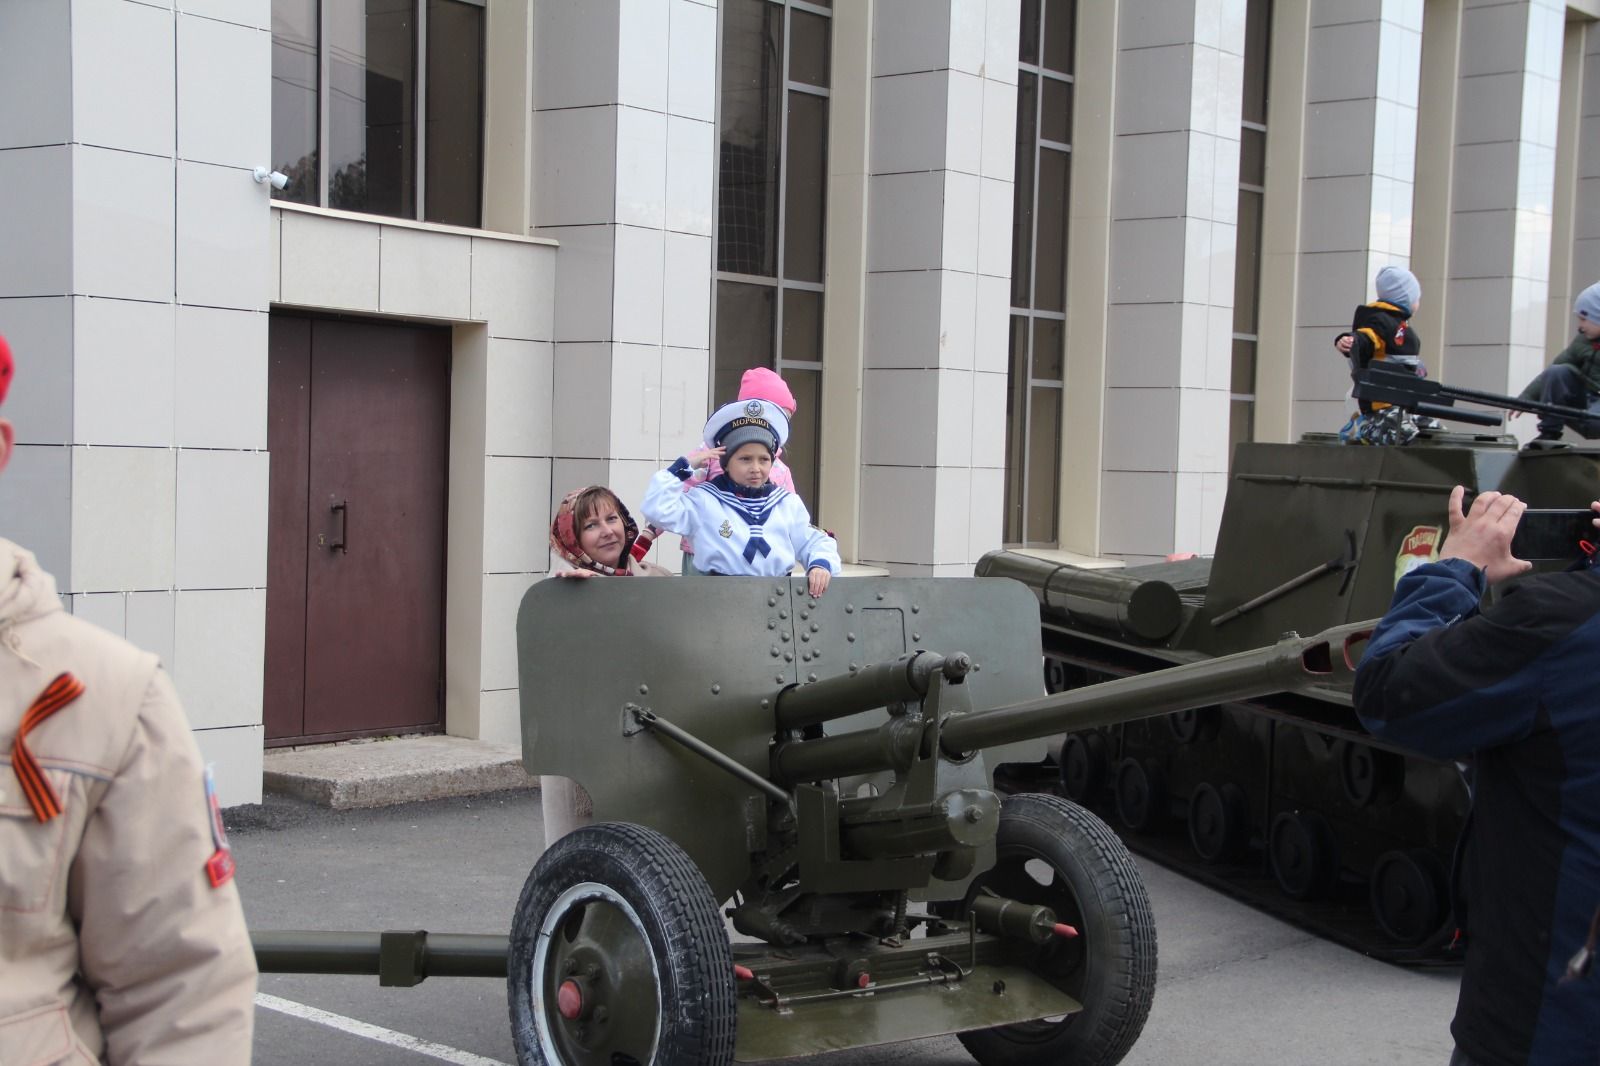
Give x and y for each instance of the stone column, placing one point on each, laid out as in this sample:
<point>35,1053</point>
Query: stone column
<point>1585,215</point>
<point>1179,79</point>
<point>135,296</point>
<point>1502,193</point>
<point>941,156</point>
<point>624,158</point>
<point>1356,208</point>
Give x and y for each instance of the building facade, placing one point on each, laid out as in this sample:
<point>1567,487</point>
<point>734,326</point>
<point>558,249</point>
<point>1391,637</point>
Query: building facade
<point>1032,267</point>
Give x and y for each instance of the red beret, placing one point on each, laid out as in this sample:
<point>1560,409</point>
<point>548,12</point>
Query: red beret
<point>5,368</point>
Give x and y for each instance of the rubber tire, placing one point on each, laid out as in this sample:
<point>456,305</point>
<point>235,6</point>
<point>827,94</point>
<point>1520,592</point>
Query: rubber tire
<point>682,924</point>
<point>1119,982</point>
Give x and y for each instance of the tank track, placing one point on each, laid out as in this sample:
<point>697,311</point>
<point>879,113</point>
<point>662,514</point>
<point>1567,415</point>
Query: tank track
<point>1286,806</point>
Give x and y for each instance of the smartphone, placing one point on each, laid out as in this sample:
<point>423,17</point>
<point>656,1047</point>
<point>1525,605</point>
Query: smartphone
<point>1554,534</point>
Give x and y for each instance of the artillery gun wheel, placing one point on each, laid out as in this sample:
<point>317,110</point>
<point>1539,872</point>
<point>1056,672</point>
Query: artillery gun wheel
<point>619,955</point>
<point>1083,766</point>
<point>1052,852</point>
<point>1408,895</point>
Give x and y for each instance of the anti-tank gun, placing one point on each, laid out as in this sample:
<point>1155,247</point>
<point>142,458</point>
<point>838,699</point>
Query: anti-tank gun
<point>825,768</point>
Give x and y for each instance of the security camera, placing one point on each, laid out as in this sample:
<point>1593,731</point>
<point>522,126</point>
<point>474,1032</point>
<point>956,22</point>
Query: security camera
<point>279,179</point>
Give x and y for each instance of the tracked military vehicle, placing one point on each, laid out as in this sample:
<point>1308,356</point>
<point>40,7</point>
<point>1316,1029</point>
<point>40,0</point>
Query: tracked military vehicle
<point>1285,800</point>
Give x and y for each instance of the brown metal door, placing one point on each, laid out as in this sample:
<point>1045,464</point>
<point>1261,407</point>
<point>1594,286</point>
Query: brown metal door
<point>371,405</point>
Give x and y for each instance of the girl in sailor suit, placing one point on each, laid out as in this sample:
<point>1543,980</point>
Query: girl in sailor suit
<point>745,522</point>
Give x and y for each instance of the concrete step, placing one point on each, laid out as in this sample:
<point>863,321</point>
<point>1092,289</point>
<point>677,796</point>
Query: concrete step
<point>390,770</point>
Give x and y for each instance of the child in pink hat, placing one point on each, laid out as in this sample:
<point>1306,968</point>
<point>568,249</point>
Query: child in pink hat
<point>758,383</point>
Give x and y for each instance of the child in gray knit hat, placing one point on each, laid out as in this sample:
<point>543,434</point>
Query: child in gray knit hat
<point>1573,380</point>
<point>1381,330</point>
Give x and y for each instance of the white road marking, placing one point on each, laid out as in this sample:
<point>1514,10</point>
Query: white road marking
<point>374,1032</point>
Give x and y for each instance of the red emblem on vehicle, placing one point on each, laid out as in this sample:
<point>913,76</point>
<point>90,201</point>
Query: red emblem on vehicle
<point>1419,546</point>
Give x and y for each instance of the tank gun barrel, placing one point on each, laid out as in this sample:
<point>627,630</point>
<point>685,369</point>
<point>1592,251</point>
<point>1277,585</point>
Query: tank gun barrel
<point>879,685</point>
<point>1384,384</point>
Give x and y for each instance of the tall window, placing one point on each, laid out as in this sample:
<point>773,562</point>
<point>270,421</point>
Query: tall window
<point>348,88</point>
<point>1039,271</point>
<point>772,123</point>
<point>1247,264</point>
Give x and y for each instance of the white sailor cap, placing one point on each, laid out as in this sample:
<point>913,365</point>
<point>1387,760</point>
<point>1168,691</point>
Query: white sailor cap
<point>743,421</point>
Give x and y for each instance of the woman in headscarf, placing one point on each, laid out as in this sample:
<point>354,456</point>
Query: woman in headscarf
<point>596,536</point>
<point>593,533</point>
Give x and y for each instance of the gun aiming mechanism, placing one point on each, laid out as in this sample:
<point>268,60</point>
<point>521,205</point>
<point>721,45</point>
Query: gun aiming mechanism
<point>848,813</point>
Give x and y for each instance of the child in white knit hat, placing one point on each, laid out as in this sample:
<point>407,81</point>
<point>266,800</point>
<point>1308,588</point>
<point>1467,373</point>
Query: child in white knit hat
<point>740,521</point>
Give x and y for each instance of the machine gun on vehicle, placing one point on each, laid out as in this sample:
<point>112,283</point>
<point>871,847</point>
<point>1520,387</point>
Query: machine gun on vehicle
<point>1406,394</point>
<point>821,765</point>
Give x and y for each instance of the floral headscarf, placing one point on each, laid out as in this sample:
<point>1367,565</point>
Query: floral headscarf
<point>564,530</point>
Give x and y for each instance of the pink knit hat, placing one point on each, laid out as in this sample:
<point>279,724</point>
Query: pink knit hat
<point>759,383</point>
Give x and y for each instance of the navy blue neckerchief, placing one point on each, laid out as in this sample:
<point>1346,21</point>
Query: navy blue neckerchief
<point>751,504</point>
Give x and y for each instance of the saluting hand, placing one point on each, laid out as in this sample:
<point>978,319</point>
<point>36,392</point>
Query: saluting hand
<point>1483,536</point>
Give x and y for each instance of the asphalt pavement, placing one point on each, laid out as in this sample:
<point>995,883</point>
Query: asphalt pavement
<point>1235,986</point>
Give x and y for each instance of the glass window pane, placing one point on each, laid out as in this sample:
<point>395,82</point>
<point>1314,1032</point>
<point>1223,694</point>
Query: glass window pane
<point>294,98</point>
<point>1016,424</point>
<point>1252,157</point>
<point>1247,263</point>
<point>1050,261</point>
<point>747,201</point>
<point>805,196</point>
<point>801,453</point>
<point>745,325</point>
<point>1257,28</point>
<point>1242,381</point>
<point>1059,17</point>
<point>1044,465</point>
<point>1049,348</point>
<point>809,48</point>
<point>1055,123</point>
<point>372,144</point>
<point>1241,425</point>
<point>453,192</point>
<point>802,326</point>
<point>1022,193</point>
<point>1028,44</point>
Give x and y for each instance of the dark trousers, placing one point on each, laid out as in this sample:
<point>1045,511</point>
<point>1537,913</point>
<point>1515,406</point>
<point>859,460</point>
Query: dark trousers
<point>1459,1058</point>
<point>1563,385</point>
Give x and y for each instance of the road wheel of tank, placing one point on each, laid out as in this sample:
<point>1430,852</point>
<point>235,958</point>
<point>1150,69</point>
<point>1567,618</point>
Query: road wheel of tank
<point>1083,766</point>
<point>1369,775</point>
<point>1052,852</point>
<point>1141,795</point>
<point>1304,859</point>
<point>619,956</point>
<point>1408,895</point>
<point>1219,821</point>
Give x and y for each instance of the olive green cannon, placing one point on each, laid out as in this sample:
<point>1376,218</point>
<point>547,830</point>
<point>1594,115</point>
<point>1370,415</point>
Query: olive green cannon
<point>797,846</point>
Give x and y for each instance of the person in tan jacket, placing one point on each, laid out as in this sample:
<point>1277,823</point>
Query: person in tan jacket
<point>121,936</point>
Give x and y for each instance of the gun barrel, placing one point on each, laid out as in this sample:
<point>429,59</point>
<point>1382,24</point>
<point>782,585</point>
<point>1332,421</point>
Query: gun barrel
<point>1292,663</point>
<point>1107,599</point>
<point>878,685</point>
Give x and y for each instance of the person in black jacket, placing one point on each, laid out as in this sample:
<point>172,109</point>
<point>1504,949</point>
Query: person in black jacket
<point>1573,380</point>
<point>1510,687</point>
